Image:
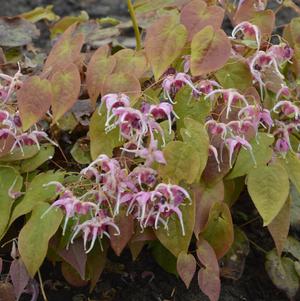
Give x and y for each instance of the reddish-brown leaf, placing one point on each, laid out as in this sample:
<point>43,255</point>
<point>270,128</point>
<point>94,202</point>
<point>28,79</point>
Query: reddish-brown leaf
<point>132,62</point>
<point>72,276</point>
<point>196,15</point>
<point>6,292</point>
<point>245,12</point>
<point>34,99</point>
<point>209,276</point>
<point>75,256</point>
<point>205,197</point>
<point>66,50</point>
<point>219,229</point>
<point>19,277</point>
<point>164,42</point>
<point>66,89</point>
<point>210,50</point>
<point>122,83</point>
<point>100,66</point>
<point>125,224</point>
<point>279,227</point>
<point>186,267</point>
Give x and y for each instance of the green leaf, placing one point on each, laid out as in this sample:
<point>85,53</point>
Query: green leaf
<point>183,163</point>
<point>37,193</point>
<point>292,166</point>
<point>282,273</point>
<point>45,153</point>
<point>66,89</point>
<point>81,152</point>
<point>219,229</point>
<point>235,74</point>
<point>34,99</point>
<point>164,258</point>
<point>210,51</point>
<point>268,187</point>
<point>102,142</point>
<point>186,106</point>
<point>262,151</point>
<point>40,13</point>
<point>9,179</point>
<point>197,14</point>
<point>35,235</point>
<point>164,43</point>
<point>196,135</point>
<point>29,151</point>
<point>172,239</point>
<point>295,207</point>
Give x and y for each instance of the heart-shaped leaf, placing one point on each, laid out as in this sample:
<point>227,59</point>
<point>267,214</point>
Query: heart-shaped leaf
<point>208,276</point>
<point>268,187</point>
<point>196,15</point>
<point>219,229</point>
<point>186,267</point>
<point>35,235</point>
<point>164,42</point>
<point>100,66</point>
<point>210,50</point>
<point>66,88</point>
<point>34,100</point>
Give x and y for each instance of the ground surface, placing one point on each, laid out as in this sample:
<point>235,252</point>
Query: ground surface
<point>144,280</point>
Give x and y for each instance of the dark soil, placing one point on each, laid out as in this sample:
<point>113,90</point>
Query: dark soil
<point>143,279</point>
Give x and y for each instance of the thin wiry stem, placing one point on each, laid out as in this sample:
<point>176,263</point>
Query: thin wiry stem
<point>135,25</point>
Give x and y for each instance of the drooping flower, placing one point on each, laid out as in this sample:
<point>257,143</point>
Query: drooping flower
<point>230,96</point>
<point>248,30</point>
<point>287,108</point>
<point>282,53</point>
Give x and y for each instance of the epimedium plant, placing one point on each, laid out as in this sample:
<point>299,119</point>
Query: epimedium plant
<point>176,131</point>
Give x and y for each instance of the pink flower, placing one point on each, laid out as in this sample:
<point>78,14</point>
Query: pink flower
<point>113,101</point>
<point>172,83</point>
<point>237,141</point>
<point>230,96</point>
<point>248,29</point>
<point>282,146</point>
<point>287,108</point>
<point>282,53</point>
<point>95,227</point>
<point>213,151</point>
<point>216,128</point>
<point>163,110</point>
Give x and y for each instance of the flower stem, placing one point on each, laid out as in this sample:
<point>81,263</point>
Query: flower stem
<point>42,286</point>
<point>135,25</point>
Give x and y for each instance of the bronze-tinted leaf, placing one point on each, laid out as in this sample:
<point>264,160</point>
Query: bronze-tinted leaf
<point>208,276</point>
<point>196,15</point>
<point>164,42</point>
<point>186,267</point>
<point>15,31</point>
<point>279,227</point>
<point>75,256</point>
<point>34,99</point>
<point>205,197</point>
<point>66,88</point>
<point>210,51</point>
<point>125,224</point>
<point>132,62</point>
<point>65,51</point>
<point>100,66</point>
<point>122,83</point>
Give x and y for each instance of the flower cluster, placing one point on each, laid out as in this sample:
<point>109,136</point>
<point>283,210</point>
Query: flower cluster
<point>12,135</point>
<point>114,188</point>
